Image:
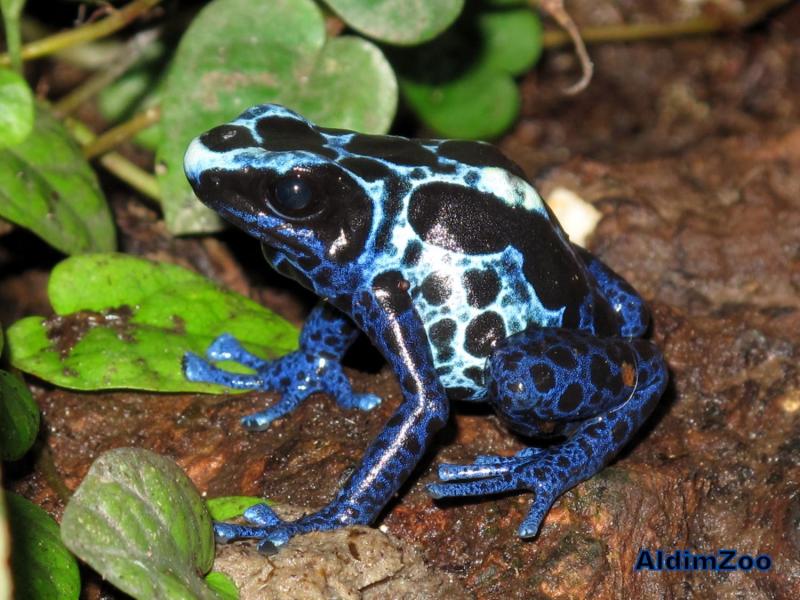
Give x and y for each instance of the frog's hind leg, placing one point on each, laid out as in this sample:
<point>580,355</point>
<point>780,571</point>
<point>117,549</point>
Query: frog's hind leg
<point>596,392</point>
<point>623,298</point>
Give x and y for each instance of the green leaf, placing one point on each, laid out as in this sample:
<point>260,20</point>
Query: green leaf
<point>398,21</point>
<point>461,84</point>
<point>238,53</point>
<point>126,322</point>
<point>230,507</point>
<point>481,104</point>
<point>222,585</point>
<point>48,187</point>
<point>16,108</point>
<point>138,521</point>
<point>19,417</point>
<point>6,580</point>
<point>42,566</point>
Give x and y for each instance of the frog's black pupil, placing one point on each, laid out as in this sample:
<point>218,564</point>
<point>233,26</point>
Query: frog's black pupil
<point>292,193</point>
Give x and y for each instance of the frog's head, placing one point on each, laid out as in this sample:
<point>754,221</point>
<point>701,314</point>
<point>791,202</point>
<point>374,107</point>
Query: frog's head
<point>275,175</point>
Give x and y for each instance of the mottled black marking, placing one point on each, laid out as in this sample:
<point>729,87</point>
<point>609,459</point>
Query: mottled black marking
<point>291,135</point>
<point>393,149</point>
<point>543,377</point>
<point>391,289</point>
<point>571,398</point>
<point>619,432</point>
<point>441,334</point>
<point>483,332</point>
<point>562,357</point>
<point>412,253</point>
<point>309,262</point>
<point>436,288</point>
<point>474,374</point>
<point>600,372</point>
<point>368,169</point>
<point>479,154</point>
<point>228,137</point>
<point>482,287</point>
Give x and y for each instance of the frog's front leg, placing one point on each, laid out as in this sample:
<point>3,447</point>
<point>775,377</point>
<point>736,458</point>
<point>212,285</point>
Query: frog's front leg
<point>595,391</point>
<point>313,368</point>
<point>386,314</point>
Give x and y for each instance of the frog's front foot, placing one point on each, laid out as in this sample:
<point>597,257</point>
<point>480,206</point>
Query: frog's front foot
<point>263,524</point>
<point>296,376</point>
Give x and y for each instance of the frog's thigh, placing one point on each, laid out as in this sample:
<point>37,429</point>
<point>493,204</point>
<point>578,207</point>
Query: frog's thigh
<point>541,380</point>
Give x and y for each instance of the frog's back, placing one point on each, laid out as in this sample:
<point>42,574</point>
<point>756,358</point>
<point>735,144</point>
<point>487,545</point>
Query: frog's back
<point>483,255</point>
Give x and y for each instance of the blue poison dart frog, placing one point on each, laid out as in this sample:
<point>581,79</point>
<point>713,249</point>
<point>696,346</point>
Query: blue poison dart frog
<point>448,260</point>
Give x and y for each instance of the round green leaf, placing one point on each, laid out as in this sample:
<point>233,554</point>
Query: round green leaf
<point>479,105</point>
<point>16,108</point>
<point>512,40</point>
<point>401,22</point>
<point>460,84</point>
<point>19,417</point>
<point>238,53</point>
<point>225,508</point>
<point>138,521</point>
<point>126,322</point>
<point>48,187</point>
<point>41,565</point>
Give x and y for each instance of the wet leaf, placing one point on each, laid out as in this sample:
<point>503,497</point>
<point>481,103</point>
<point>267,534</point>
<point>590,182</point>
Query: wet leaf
<point>222,585</point>
<point>47,186</point>
<point>16,108</point>
<point>126,322</point>
<point>19,417</point>
<point>230,507</point>
<point>42,567</point>
<point>238,53</point>
<point>398,21</point>
<point>138,521</point>
<point>461,84</point>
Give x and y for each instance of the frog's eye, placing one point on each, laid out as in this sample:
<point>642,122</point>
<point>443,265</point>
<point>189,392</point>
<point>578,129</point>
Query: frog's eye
<point>293,196</point>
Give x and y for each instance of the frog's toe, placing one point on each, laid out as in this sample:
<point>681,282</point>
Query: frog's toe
<point>449,472</point>
<point>359,401</point>
<point>478,487</point>
<point>262,524</point>
<point>195,368</point>
<point>223,348</point>
<point>262,515</point>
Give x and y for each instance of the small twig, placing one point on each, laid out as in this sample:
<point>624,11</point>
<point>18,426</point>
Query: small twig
<point>116,164</point>
<point>555,8</point>
<point>116,135</point>
<point>129,54</point>
<point>85,33</point>
<point>650,31</point>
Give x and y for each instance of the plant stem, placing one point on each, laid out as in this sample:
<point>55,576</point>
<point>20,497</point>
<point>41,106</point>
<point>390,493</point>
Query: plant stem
<point>124,59</point>
<point>86,33</point>
<point>649,31</point>
<point>116,135</point>
<point>116,164</point>
<point>13,39</point>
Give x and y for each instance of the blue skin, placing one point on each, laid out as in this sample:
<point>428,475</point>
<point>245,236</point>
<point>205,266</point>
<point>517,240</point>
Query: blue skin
<point>446,258</point>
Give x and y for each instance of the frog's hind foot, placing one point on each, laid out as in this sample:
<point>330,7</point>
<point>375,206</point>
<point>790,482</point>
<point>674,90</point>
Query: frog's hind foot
<point>595,392</point>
